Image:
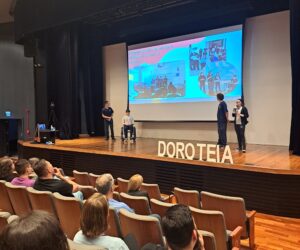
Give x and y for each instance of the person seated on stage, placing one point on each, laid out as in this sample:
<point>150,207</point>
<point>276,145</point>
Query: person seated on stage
<point>46,181</point>
<point>37,230</point>
<point>7,169</point>
<point>24,170</point>
<point>134,186</point>
<point>105,186</point>
<point>94,224</point>
<point>128,123</point>
<point>179,229</point>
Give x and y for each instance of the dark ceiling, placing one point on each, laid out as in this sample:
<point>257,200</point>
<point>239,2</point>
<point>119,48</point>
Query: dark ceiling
<point>138,20</point>
<point>207,8</point>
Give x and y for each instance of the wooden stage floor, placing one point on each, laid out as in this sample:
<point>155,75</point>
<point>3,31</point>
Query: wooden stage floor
<point>259,158</point>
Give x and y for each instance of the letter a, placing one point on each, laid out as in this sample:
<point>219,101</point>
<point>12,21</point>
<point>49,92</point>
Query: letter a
<point>227,155</point>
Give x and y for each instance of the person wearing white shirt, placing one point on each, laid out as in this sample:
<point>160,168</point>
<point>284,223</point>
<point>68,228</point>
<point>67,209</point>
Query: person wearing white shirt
<point>128,123</point>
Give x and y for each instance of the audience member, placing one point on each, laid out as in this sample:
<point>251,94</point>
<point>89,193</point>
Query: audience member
<point>24,170</point>
<point>46,181</point>
<point>134,186</point>
<point>7,168</point>
<point>33,161</point>
<point>94,223</point>
<point>180,230</point>
<point>36,231</point>
<point>105,186</point>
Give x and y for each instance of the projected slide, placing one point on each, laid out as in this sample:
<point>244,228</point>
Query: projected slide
<point>189,70</point>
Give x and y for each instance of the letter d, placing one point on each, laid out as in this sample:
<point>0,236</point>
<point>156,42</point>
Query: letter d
<point>161,148</point>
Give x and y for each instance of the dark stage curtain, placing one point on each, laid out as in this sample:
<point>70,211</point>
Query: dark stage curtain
<point>295,56</point>
<point>91,78</point>
<point>74,79</point>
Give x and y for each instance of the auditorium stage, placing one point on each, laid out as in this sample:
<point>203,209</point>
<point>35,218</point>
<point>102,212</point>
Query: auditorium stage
<point>268,177</point>
<point>260,158</point>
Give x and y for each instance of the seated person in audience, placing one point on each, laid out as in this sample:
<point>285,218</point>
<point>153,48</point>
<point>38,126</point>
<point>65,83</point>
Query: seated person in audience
<point>33,161</point>
<point>24,170</point>
<point>46,181</point>
<point>134,186</point>
<point>94,223</point>
<point>37,231</point>
<point>180,230</point>
<point>7,169</point>
<point>105,186</point>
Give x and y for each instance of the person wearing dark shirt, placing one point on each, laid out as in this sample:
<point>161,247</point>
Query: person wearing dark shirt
<point>45,182</point>
<point>107,115</point>
<point>240,114</point>
<point>7,169</point>
<point>222,116</point>
<point>134,186</point>
<point>202,80</point>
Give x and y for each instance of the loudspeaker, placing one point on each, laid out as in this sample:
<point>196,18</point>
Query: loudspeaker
<point>9,136</point>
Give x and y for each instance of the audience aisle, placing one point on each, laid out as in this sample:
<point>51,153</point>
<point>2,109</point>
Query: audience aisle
<point>276,233</point>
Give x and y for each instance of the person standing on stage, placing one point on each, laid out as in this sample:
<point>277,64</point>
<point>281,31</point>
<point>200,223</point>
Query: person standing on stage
<point>222,116</point>
<point>107,115</point>
<point>128,122</point>
<point>240,114</point>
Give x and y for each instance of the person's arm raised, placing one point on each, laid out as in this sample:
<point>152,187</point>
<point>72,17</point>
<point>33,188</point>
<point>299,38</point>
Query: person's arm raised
<point>58,174</point>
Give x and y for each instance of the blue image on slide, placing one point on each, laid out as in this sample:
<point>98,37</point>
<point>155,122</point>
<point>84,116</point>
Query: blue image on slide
<point>213,64</point>
<point>162,80</point>
<point>193,70</point>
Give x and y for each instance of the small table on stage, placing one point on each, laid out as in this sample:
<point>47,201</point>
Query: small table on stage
<point>47,136</point>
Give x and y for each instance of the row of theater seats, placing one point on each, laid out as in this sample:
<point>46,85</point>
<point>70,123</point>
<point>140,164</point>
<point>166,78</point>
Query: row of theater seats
<point>20,201</point>
<point>89,179</point>
<point>224,216</point>
<point>221,228</point>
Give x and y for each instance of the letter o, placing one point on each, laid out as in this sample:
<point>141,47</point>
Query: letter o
<point>187,146</point>
<point>171,145</point>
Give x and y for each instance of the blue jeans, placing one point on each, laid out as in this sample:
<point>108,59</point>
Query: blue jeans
<point>222,128</point>
<point>126,128</point>
<point>107,125</point>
